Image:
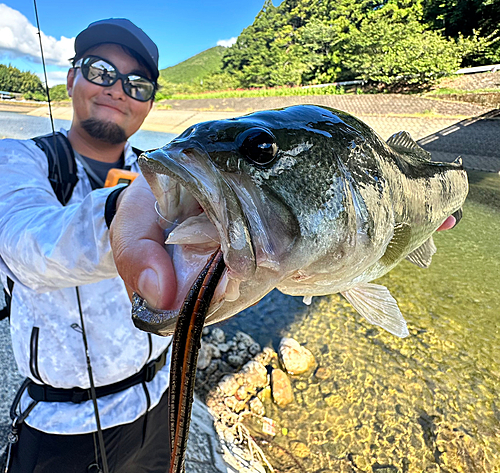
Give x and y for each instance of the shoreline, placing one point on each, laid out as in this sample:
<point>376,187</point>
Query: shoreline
<point>385,113</point>
<point>159,120</point>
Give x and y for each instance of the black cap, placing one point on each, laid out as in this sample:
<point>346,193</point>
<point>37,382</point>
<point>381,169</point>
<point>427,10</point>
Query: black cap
<point>120,31</point>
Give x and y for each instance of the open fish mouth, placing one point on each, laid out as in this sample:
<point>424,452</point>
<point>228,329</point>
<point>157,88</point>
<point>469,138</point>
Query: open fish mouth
<point>199,212</point>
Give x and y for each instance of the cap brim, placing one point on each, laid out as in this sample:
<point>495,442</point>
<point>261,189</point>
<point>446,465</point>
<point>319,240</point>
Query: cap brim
<point>109,33</point>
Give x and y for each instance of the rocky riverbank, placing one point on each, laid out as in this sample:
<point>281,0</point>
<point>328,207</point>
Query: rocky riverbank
<point>236,379</point>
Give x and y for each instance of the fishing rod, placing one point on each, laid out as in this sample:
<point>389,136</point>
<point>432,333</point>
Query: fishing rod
<point>44,69</point>
<point>80,328</point>
<point>57,167</point>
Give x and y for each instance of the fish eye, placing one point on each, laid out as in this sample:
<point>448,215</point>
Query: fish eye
<point>259,146</point>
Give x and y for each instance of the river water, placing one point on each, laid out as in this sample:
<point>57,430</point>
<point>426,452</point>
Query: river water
<point>21,126</point>
<point>426,403</point>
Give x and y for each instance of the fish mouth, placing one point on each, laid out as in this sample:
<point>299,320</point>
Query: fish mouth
<point>199,212</point>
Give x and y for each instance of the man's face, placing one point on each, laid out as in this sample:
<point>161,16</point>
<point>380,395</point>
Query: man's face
<point>108,104</point>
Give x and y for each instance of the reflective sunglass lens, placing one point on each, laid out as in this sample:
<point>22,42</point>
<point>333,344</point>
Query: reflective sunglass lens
<point>138,88</point>
<point>100,72</point>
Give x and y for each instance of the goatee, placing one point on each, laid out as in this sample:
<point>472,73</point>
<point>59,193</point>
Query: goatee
<point>108,132</point>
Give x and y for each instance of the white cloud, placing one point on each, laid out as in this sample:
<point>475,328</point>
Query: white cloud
<point>54,77</point>
<point>19,38</point>
<point>227,42</point>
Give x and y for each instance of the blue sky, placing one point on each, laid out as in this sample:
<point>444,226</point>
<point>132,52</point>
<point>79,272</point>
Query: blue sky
<point>180,28</point>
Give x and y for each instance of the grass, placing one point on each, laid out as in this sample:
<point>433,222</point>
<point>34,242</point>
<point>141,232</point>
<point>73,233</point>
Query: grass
<point>162,106</point>
<point>451,91</point>
<point>271,92</point>
<point>300,91</point>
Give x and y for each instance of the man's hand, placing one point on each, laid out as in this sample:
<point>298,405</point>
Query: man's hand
<point>448,223</point>
<point>137,244</point>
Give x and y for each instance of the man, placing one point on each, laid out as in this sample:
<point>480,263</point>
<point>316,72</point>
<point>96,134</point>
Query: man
<point>68,301</point>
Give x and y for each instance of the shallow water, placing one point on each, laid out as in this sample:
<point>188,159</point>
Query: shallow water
<point>21,126</point>
<point>427,403</point>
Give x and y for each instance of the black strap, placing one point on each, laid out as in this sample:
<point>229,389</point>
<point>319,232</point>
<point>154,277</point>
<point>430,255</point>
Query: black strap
<point>110,207</point>
<point>44,392</point>
<point>10,284</point>
<point>5,311</point>
<point>17,421</point>
<point>62,164</point>
<point>137,151</point>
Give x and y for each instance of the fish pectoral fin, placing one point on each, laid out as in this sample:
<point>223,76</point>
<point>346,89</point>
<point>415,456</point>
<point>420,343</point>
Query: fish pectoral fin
<point>403,142</point>
<point>398,245</point>
<point>376,304</point>
<point>422,256</point>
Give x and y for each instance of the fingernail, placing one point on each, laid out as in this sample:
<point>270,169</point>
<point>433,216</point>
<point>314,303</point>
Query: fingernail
<point>149,287</point>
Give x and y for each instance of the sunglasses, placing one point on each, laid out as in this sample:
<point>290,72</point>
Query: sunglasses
<point>101,72</point>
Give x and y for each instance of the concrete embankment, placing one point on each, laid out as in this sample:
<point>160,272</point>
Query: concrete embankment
<point>386,113</point>
<point>166,121</point>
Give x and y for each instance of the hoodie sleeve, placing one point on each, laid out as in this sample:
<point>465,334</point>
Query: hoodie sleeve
<point>47,246</point>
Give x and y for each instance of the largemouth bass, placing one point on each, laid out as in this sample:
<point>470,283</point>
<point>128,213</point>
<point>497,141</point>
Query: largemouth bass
<point>306,199</point>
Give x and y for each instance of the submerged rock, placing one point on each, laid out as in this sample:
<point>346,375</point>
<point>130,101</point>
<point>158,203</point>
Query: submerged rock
<point>243,338</point>
<point>254,375</point>
<point>322,373</point>
<point>295,358</point>
<point>281,388</point>
<point>257,407</point>
<point>266,356</point>
<point>218,335</point>
<point>300,449</point>
<point>235,382</point>
<point>235,360</point>
<point>228,385</point>
<point>204,356</point>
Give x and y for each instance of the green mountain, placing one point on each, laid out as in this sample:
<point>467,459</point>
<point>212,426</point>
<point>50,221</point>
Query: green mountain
<point>194,69</point>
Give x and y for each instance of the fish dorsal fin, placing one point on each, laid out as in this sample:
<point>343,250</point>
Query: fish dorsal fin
<point>422,256</point>
<point>376,304</point>
<point>403,142</point>
<point>398,244</point>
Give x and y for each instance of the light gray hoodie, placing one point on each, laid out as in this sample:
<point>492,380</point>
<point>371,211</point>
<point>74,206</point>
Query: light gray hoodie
<point>47,250</point>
